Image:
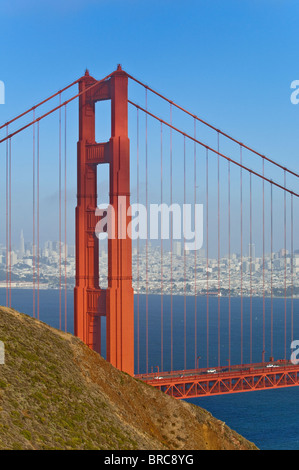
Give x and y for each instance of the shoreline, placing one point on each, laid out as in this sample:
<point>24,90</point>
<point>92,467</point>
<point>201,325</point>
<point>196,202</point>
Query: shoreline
<point>44,288</point>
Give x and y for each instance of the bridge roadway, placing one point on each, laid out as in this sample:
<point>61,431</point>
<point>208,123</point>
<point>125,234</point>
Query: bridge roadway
<point>194,383</point>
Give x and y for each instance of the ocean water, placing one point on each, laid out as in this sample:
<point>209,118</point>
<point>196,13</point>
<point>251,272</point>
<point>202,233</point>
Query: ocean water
<point>268,418</point>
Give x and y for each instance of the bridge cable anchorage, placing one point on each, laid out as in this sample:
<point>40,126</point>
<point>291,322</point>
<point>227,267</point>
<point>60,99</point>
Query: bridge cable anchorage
<point>255,173</point>
<point>214,128</point>
<point>55,109</point>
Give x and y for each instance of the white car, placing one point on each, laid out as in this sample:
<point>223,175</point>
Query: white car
<point>211,371</point>
<point>269,366</point>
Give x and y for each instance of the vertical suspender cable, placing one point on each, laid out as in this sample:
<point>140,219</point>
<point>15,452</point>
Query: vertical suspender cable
<point>285,269</point>
<point>271,270</point>
<point>37,220</point>
<point>10,260</point>
<point>264,305</point>
<point>161,248</point>
<point>185,306</point>
<point>218,146</point>
<point>7,221</point>
<point>171,250</point>
<point>146,247</point>
<point>33,218</point>
<point>138,260</point>
<point>229,265</point>
<point>292,268</point>
<point>241,230</point>
<point>207,242</point>
<point>195,259</point>
<point>60,238</point>
<point>65,219</point>
<point>250,223</point>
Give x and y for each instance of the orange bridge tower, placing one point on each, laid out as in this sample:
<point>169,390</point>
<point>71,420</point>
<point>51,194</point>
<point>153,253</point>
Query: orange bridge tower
<point>116,302</point>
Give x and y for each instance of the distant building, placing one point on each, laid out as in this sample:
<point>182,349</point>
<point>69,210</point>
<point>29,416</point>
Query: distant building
<point>12,258</point>
<point>48,246</point>
<point>251,252</point>
<point>278,264</point>
<point>28,261</point>
<point>245,266</point>
<point>177,248</point>
<point>28,248</point>
<point>283,253</point>
<point>22,245</point>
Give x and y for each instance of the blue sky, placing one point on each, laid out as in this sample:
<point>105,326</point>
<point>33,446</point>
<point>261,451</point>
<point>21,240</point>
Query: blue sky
<point>230,62</point>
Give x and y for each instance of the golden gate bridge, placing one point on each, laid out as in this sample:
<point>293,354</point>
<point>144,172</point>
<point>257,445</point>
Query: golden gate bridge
<point>204,163</point>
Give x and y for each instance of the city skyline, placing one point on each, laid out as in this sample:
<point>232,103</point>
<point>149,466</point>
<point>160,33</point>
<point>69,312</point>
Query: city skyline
<point>260,275</point>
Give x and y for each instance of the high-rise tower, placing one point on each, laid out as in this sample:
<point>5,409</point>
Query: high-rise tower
<point>22,245</point>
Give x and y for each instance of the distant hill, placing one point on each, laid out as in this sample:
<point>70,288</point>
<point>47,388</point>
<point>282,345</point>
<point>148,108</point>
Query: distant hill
<point>55,393</point>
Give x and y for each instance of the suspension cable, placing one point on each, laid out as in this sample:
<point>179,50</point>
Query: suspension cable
<point>39,104</point>
<point>255,173</point>
<point>55,109</point>
<point>212,127</point>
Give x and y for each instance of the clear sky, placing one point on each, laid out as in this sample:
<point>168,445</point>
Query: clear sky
<point>231,62</point>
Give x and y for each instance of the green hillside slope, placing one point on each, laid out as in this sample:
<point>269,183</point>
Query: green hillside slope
<point>55,393</point>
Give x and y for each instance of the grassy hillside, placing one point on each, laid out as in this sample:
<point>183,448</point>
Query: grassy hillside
<point>55,393</point>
